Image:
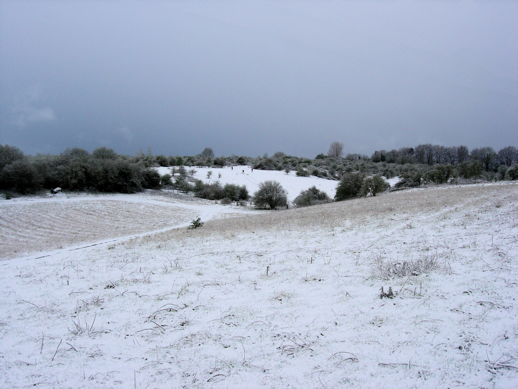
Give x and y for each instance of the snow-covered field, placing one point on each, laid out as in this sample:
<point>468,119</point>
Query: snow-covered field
<point>261,299</point>
<point>244,175</point>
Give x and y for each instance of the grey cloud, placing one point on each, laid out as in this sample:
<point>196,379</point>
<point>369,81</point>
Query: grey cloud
<point>28,109</point>
<point>259,76</point>
<point>126,134</point>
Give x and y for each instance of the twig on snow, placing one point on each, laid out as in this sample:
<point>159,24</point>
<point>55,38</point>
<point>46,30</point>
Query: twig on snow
<point>57,348</point>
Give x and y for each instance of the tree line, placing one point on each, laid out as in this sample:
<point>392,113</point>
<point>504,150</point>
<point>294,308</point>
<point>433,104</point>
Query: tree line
<point>104,170</point>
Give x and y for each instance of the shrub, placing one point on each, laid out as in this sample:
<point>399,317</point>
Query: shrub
<point>21,176</point>
<point>127,179</point>
<point>212,191</point>
<point>151,179</point>
<point>165,180</point>
<point>226,201</point>
<point>104,153</point>
<point>512,173</point>
<point>162,160</point>
<point>243,193</point>
<point>407,267</point>
<point>220,161</point>
<point>235,192</point>
<point>470,169</point>
<point>195,224</point>
<point>374,185</point>
<point>271,194</point>
<point>410,180</point>
<point>302,172</point>
<point>311,196</point>
<point>440,174</point>
<point>182,185</point>
<point>350,186</point>
<point>502,171</point>
<point>9,154</point>
<point>182,171</point>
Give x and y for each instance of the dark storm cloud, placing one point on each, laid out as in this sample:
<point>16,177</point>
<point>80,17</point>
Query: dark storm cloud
<point>254,77</point>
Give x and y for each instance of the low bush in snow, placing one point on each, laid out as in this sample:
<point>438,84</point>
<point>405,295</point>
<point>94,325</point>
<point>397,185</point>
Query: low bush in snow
<point>512,173</point>
<point>350,186</point>
<point>374,185</point>
<point>387,269</point>
<point>311,196</point>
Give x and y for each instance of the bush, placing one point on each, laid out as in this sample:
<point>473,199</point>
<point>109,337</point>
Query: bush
<point>311,196</point>
<point>350,186</point>
<point>104,153</point>
<point>226,201</point>
<point>410,180</point>
<point>302,172</point>
<point>151,179</point>
<point>195,224</point>
<point>470,169</point>
<point>165,180</point>
<point>512,173</point>
<point>243,193</point>
<point>271,194</point>
<point>9,154</point>
<point>182,185</point>
<point>502,170</point>
<point>20,176</point>
<point>212,191</point>
<point>374,185</point>
<point>220,161</point>
<point>162,160</point>
<point>235,192</point>
<point>182,171</point>
<point>440,174</point>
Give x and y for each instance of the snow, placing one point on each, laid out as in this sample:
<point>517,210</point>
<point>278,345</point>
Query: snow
<point>251,178</point>
<point>263,299</point>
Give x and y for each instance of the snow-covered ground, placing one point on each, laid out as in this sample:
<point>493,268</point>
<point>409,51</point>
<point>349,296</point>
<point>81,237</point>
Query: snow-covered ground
<point>251,178</point>
<point>264,299</point>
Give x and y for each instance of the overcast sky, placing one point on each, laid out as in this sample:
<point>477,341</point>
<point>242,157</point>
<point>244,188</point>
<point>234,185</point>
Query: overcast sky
<point>255,77</point>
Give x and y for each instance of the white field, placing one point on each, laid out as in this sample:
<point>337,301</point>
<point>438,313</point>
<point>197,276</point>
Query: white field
<point>114,291</point>
<point>243,175</point>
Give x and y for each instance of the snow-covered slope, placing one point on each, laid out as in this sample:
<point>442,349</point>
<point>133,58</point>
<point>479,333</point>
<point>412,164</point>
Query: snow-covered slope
<point>251,178</point>
<point>276,299</point>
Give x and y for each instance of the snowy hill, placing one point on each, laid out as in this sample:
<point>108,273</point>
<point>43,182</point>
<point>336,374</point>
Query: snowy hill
<point>251,178</point>
<point>124,295</point>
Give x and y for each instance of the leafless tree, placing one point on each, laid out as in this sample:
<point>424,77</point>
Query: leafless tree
<point>487,156</point>
<point>508,155</point>
<point>207,153</point>
<point>336,150</point>
<point>462,154</point>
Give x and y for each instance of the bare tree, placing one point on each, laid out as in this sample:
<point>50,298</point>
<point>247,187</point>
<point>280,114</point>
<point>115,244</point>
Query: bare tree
<point>462,154</point>
<point>207,153</point>
<point>508,155</point>
<point>487,156</point>
<point>336,150</point>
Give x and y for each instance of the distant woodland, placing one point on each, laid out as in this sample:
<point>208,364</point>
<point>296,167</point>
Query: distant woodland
<point>103,170</point>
